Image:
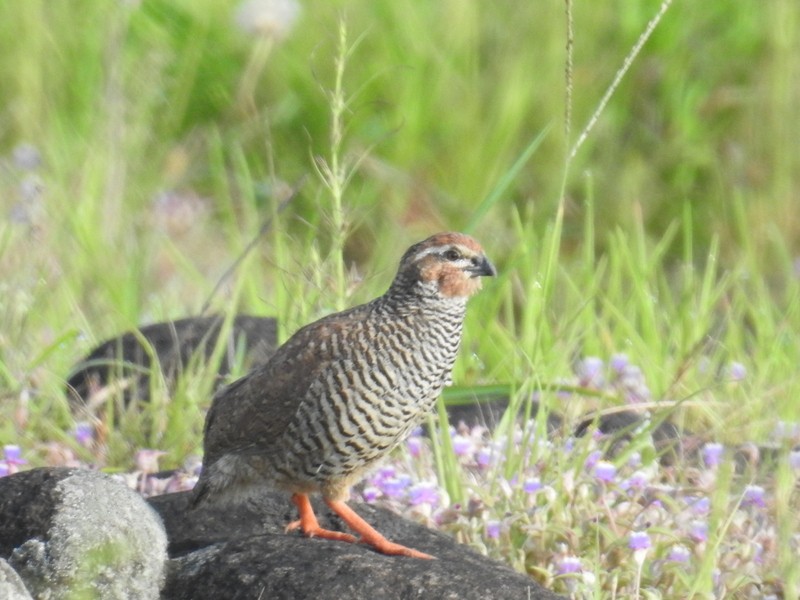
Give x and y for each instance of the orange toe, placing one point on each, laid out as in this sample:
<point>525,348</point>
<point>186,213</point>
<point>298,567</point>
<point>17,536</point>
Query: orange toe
<point>368,533</point>
<point>309,524</point>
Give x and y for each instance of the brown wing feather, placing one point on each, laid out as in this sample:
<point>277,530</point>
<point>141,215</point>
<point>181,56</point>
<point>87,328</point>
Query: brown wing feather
<point>255,409</point>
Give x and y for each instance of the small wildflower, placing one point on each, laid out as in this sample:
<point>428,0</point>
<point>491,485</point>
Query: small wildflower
<point>484,456</point>
<point>84,434</point>
<point>636,482</point>
<point>13,455</point>
<point>737,371</point>
<point>698,531</point>
<point>532,485</point>
<point>393,487</point>
<point>424,492</point>
<point>639,540</point>
<point>592,459</point>
<point>569,564</point>
<point>679,553</point>
<point>618,362</point>
<point>414,445</point>
<point>590,372</point>
<point>605,471</point>
<point>462,446</point>
<point>370,494</point>
<point>4,469</point>
<point>493,529</point>
<point>635,460</point>
<point>754,496</point>
<point>700,506</point>
<point>386,471</point>
<point>712,454</point>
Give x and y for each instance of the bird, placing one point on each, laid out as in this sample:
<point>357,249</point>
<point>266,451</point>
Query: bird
<point>343,391</point>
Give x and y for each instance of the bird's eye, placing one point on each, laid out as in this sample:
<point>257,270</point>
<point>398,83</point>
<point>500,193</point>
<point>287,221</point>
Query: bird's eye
<point>452,254</point>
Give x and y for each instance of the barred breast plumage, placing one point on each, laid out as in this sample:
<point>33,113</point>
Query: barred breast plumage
<point>345,390</point>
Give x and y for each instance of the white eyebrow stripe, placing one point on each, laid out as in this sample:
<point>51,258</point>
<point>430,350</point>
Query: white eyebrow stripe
<point>441,249</point>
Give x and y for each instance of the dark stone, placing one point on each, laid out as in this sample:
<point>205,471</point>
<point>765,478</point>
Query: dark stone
<point>75,533</point>
<point>243,552</point>
<point>623,425</point>
<point>487,410</point>
<point>127,359</point>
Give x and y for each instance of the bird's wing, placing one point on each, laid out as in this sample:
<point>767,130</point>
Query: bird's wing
<point>254,410</point>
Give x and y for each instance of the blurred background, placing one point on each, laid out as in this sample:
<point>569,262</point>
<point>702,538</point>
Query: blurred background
<point>143,144</point>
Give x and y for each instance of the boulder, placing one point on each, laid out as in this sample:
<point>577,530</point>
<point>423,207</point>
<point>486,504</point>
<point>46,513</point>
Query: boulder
<point>11,585</point>
<point>126,361</point>
<point>75,533</point>
<point>244,552</point>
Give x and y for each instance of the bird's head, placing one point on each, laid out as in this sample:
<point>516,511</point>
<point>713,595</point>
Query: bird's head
<point>448,264</point>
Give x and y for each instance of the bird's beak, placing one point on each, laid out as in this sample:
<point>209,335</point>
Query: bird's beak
<point>482,267</point>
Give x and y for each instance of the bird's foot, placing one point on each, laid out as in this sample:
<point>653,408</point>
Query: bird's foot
<point>369,535</point>
<point>310,526</point>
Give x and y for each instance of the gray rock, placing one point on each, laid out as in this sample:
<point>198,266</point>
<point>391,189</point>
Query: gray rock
<point>74,533</point>
<point>11,586</point>
<point>243,552</point>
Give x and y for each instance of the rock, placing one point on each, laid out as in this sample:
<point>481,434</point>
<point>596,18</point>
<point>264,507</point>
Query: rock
<point>126,359</point>
<point>11,586</point>
<point>74,533</point>
<point>243,552</point>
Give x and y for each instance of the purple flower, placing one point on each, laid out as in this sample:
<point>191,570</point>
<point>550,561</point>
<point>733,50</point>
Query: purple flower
<point>639,540</point>
<point>605,471</point>
<point>754,496</point>
<point>698,531</point>
<point>484,456</point>
<point>618,362</point>
<point>635,460</point>
<point>386,472</point>
<point>414,445</point>
<point>13,455</point>
<point>737,371</point>
<point>700,506</point>
<point>590,372</point>
<point>569,564</point>
<point>84,434</point>
<point>636,482</point>
<point>493,529</point>
<point>393,487</point>
<point>712,454</point>
<point>592,459</point>
<point>679,553</point>
<point>424,492</point>
<point>4,470</point>
<point>532,485</point>
<point>462,446</point>
<point>370,493</point>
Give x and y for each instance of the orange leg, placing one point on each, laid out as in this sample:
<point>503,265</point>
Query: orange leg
<point>367,532</point>
<point>309,524</point>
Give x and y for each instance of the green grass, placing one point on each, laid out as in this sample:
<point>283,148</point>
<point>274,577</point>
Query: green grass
<point>671,236</point>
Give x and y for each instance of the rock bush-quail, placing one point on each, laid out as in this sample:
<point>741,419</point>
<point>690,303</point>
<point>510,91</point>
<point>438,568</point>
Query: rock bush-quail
<point>343,391</point>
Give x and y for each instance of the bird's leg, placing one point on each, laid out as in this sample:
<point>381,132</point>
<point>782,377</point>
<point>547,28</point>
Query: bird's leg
<point>309,524</point>
<point>368,533</point>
